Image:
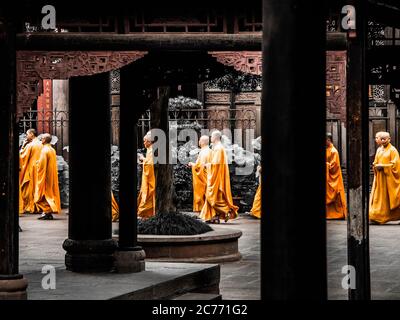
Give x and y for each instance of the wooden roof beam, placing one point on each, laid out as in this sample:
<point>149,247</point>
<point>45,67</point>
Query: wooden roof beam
<point>217,42</point>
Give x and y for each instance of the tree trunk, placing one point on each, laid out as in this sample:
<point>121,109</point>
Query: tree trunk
<point>163,170</point>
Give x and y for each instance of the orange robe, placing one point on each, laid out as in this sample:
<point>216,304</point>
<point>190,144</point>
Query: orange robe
<point>147,195</point>
<point>28,157</point>
<point>47,196</point>
<point>385,193</point>
<point>114,208</point>
<point>256,209</point>
<point>21,203</point>
<point>335,196</point>
<point>199,177</point>
<point>219,201</point>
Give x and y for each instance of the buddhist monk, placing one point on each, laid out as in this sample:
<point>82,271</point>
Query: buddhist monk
<point>114,208</point>
<point>378,138</point>
<point>335,196</point>
<point>147,195</point>
<point>29,155</point>
<point>47,196</point>
<point>256,209</point>
<point>199,174</point>
<point>218,201</point>
<point>384,203</point>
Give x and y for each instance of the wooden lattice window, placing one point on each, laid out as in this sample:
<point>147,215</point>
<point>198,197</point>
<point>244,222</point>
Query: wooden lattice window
<point>175,22</point>
<point>250,21</point>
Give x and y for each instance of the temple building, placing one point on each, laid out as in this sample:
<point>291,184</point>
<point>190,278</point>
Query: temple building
<point>287,73</point>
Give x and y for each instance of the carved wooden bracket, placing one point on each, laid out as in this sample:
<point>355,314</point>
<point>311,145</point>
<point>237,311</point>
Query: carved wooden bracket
<point>34,66</point>
<point>244,61</point>
<point>336,84</point>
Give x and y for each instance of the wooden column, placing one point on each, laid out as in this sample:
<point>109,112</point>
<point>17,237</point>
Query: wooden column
<point>129,256</point>
<point>293,151</point>
<point>12,284</point>
<point>89,245</point>
<point>115,89</point>
<point>391,109</point>
<point>115,123</point>
<point>357,156</point>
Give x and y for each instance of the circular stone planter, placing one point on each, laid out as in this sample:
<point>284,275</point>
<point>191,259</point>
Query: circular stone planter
<point>220,245</point>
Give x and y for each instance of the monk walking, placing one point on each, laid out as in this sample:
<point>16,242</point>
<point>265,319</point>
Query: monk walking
<point>256,209</point>
<point>147,196</point>
<point>29,155</point>
<point>218,203</point>
<point>47,196</point>
<point>385,193</point>
<point>335,195</point>
<point>199,174</point>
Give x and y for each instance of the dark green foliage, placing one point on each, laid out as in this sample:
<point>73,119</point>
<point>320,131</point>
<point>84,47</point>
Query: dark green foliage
<point>236,81</point>
<point>172,223</point>
<point>180,102</point>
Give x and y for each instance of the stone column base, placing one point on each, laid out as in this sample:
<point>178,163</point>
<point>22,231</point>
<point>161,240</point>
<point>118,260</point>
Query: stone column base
<point>89,256</point>
<point>129,261</point>
<point>13,288</point>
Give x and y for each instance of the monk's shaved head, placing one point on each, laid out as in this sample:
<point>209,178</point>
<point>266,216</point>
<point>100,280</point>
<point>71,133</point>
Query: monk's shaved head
<point>328,139</point>
<point>216,134</point>
<point>384,134</point>
<point>147,140</point>
<point>378,137</point>
<point>148,137</point>
<point>383,138</point>
<point>205,139</point>
<point>46,137</point>
<point>32,131</point>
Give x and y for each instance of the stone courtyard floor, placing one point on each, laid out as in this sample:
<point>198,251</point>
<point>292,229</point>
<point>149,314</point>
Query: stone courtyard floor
<point>384,260</point>
<point>41,244</point>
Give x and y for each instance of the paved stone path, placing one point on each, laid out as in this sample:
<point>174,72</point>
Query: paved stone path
<point>41,244</point>
<point>241,280</point>
<point>384,254</point>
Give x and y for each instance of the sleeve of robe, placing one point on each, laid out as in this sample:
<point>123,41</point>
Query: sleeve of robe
<point>199,180</point>
<point>41,169</point>
<point>333,177</point>
<point>148,172</point>
<point>220,178</point>
<point>47,183</point>
<point>24,156</point>
<point>198,170</point>
<point>371,196</point>
<point>392,173</point>
<point>215,169</point>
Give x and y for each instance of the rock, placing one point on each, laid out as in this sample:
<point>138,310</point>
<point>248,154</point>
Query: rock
<point>63,181</point>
